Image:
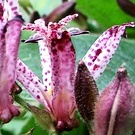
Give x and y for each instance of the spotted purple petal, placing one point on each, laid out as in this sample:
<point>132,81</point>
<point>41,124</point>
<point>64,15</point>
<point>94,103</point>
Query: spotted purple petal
<point>1,10</point>
<point>11,9</point>
<point>100,53</point>
<point>31,82</point>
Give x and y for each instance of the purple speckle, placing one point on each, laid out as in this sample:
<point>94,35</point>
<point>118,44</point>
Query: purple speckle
<point>11,3</point>
<point>91,57</point>
<point>46,80</point>
<point>89,63</point>
<point>108,50</point>
<point>20,63</point>
<point>14,8</point>
<point>98,59</point>
<point>95,67</point>
<point>45,73</point>
<point>36,82</point>
<point>97,45</point>
<point>38,97</point>
<point>39,81</point>
<point>44,60</point>
<point>24,69</point>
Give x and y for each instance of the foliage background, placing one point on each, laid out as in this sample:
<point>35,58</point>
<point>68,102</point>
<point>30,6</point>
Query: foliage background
<point>100,15</point>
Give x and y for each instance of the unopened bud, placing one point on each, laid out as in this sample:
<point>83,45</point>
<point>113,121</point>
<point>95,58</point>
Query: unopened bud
<point>115,108</point>
<point>86,94</point>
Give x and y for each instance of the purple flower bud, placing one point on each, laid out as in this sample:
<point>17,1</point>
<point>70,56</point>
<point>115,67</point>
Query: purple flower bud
<point>115,108</point>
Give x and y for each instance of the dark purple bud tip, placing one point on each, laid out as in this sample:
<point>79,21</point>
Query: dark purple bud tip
<point>16,89</point>
<point>19,18</point>
<point>62,126</point>
<point>75,31</point>
<point>121,72</point>
<point>30,40</point>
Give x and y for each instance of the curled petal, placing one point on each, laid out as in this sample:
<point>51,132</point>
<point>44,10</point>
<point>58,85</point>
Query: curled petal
<point>66,20</point>
<point>10,39</point>
<point>76,31</point>
<point>100,53</point>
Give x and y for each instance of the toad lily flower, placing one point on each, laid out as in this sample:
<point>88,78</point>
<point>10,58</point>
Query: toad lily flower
<point>10,30</point>
<point>58,59</point>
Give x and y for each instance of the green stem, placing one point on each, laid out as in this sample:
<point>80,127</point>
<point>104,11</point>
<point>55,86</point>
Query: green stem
<point>1,128</point>
<point>55,133</point>
<point>21,102</point>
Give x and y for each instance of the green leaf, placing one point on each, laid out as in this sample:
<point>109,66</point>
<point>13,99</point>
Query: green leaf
<point>45,6</point>
<point>43,119</point>
<point>106,13</point>
<point>29,132</point>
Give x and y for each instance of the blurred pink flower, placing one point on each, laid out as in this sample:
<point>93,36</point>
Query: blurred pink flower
<point>10,31</point>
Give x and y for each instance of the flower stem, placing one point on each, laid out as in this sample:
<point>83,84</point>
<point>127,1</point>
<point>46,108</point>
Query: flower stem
<point>55,133</point>
<point>1,128</point>
<point>19,100</point>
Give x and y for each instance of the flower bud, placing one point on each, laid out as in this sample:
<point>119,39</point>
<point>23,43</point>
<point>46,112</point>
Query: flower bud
<point>115,108</point>
<point>86,94</point>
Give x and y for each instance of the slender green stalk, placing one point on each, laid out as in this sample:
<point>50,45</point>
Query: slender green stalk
<point>19,100</point>
<point>1,128</point>
<point>53,133</point>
